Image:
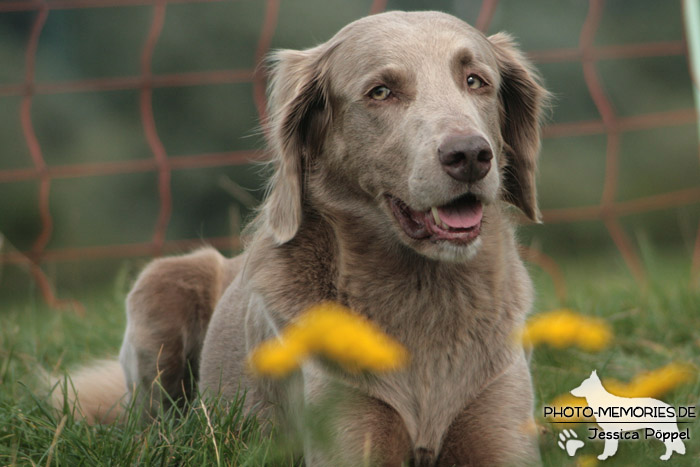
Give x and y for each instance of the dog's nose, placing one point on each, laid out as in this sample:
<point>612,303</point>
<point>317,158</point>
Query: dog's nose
<point>466,158</point>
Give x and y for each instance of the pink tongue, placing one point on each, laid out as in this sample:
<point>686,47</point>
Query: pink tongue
<point>461,216</point>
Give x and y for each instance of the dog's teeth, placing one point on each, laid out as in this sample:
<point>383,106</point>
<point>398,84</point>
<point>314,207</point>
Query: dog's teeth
<point>436,216</point>
<point>438,221</point>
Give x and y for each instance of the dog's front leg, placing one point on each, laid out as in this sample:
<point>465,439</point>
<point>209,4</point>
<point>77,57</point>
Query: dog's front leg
<point>498,427</point>
<point>609,449</point>
<point>345,427</point>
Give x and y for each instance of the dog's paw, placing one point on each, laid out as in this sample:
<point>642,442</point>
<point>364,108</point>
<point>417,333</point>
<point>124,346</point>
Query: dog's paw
<point>568,442</point>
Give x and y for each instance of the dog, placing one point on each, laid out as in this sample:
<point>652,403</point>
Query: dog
<point>402,149</point>
<point>597,398</point>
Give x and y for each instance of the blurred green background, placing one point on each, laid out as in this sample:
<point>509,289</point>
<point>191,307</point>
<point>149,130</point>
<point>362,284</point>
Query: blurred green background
<point>78,44</point>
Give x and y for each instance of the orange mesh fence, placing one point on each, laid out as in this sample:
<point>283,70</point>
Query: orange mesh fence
<point>610,124</point>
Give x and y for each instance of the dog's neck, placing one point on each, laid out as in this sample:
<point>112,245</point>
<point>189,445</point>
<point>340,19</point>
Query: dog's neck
<point>375,271</point>
<point>364,266</point>
<point>365,244</point>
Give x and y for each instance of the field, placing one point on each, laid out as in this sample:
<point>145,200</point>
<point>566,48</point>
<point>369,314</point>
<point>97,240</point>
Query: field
<point>653,326</point>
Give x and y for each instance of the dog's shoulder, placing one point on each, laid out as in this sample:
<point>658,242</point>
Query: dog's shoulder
<point>298,273</point>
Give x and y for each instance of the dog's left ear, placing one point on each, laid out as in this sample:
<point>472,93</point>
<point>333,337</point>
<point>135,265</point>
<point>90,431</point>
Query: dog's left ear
<point>523,100</point>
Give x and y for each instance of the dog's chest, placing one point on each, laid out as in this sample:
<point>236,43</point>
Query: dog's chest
<point>453,357</point>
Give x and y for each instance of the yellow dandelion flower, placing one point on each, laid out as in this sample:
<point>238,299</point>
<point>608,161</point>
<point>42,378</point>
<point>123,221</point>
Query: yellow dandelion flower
<point>332,331</point>
<point>587,460</point>
<point>276,358</point>
<point>567,400</point>
<point>564,328</point>
<point>653,383</point>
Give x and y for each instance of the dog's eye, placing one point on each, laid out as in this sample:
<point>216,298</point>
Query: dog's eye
<point>380,93</point>
<point>474,82</point>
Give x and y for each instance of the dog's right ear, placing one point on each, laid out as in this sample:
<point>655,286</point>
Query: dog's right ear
<point>299,113</point>
<point>523,101</point>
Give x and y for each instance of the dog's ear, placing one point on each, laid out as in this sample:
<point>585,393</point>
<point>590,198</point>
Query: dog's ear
<point>299,113</point>
<point>523,100</point>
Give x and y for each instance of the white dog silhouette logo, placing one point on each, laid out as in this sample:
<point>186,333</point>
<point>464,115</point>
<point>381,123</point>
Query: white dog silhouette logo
<point>617,415</point>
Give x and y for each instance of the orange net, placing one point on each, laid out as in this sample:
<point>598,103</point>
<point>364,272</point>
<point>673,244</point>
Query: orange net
<point>608,211</point>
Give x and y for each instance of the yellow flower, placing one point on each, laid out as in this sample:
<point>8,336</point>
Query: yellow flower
<point>563,328</point>
<point>277,358</point>
<point>567,400</point>
<point>586,460</point>
<point>333,331</point>
<point>653,383</point>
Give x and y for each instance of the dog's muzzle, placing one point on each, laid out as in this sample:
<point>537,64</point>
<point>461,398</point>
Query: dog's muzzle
<point>458,221</point>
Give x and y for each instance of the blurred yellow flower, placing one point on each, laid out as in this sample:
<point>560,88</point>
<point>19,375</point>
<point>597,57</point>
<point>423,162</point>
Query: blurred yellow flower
<point>653,383</point>
<point>564,328</point>
<point>333,331</point>
<point>586,460</point>
<point>567,400</point>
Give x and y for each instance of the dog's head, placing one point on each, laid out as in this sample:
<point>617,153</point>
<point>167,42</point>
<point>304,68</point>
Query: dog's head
<point>413,125</point>
<point>589,387</point>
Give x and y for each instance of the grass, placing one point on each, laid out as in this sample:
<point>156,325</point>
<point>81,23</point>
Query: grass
<point>653,326</point>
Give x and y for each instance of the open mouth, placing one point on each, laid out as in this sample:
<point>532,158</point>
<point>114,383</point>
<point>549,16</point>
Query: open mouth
<point>458,221</point>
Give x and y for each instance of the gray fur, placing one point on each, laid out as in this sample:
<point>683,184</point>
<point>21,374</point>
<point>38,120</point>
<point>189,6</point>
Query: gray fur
<point>326,232</point>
